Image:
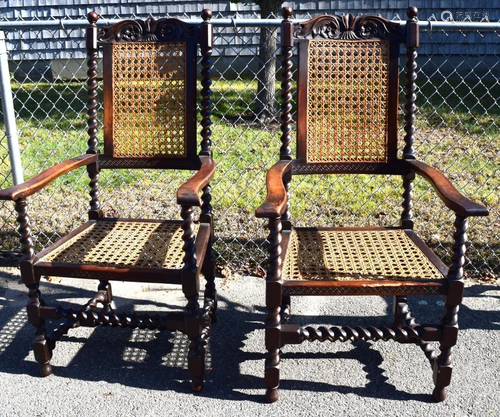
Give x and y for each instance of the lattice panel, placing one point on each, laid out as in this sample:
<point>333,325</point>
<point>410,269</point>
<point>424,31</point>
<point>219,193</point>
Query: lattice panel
<point>347,255</point>
<point>124,244</point>
<point>365,290</point>
<point>347,101</point>
<point>149,95</point>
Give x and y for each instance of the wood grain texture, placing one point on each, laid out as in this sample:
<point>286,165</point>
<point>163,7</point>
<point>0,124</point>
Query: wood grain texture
<point>189,192</point>
<point>136,250</point>
<point>39,181</point>
<point>341,261</point>
<point>275,203</point>
<point>451,197</point>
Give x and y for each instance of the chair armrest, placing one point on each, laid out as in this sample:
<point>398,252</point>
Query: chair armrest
<point>451,197</point>
<point>188,193</point>
<point>39,181</point>
<point>275,203</point>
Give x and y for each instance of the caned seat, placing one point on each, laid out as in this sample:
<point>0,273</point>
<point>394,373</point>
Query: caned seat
<point>345,255</point>
<point>115,243</point>
<point>150,79</point>
<point>347,123</point>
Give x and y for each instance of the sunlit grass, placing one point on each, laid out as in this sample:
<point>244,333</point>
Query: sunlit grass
<point>460,138</point>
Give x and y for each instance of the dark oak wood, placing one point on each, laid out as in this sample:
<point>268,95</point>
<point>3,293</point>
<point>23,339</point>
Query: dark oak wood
<point>188,193</point>
<point>275,203</point>
<point>294,334</point>
<point>304,261</point>
<point>395,168</point>
<point>95,211</point>
<point>161,251</point>
<point>41,180</point>
<point>453,199</point>
<point>155,30</point>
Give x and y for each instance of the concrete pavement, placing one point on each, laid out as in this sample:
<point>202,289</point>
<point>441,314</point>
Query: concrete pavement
<point>120,372</point>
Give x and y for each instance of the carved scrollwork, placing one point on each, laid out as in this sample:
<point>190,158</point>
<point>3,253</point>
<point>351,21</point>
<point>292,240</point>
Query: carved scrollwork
<point>349,27</point>
<point>150,30</point>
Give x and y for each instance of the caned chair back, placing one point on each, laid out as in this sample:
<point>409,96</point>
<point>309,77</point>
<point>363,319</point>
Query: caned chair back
<point>347,90</point>
<point>150,81</point>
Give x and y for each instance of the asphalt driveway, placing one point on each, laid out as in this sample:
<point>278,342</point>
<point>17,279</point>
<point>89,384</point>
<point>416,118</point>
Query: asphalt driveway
<point>123,372</point>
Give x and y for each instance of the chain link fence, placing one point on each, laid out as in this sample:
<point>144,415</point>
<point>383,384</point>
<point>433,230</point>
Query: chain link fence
<point>458,131</point>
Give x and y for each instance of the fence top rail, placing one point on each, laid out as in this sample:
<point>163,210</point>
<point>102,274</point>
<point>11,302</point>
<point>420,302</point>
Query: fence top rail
<point>236,22</point>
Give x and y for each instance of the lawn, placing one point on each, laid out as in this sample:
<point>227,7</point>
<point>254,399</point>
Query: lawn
<point>458,136</point>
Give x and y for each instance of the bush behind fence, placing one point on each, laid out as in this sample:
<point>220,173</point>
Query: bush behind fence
<point>458,131</point>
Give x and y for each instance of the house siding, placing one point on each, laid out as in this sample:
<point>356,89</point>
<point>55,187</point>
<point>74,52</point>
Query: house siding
<point>66,44</point>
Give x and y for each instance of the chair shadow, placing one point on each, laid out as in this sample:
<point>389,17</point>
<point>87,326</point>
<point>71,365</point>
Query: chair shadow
<point>430,309</point>
<point>157,360</point>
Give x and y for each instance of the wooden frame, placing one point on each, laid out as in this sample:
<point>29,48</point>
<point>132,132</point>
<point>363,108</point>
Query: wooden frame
<point>159,30</point>
<point>191,240</point>
<point>445,281</point>
<point>347,29</point>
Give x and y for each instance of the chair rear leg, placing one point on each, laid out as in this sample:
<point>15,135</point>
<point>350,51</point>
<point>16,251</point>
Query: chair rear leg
<point>196,354</point>
<point>402,313</point>
<point>41,348</point>
<point>193,316</point>
<point>403,317</point>
<point>108,305</point>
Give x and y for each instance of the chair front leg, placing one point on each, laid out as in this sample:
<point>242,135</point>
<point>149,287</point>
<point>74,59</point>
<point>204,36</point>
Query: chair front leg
<point>41,348</point>
<point>40,343</point>
<point>449,322</point>
<point>274,292</point>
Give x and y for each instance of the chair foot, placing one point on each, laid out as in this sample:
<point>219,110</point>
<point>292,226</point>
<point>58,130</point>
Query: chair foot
<point>196,364</point>
<point>42,355</point>
<point>272,395</point>
<point>45,369</point>
<point>439,394</point>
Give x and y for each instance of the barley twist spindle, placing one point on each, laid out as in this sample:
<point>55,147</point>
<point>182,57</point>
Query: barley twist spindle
<point>188,237</point>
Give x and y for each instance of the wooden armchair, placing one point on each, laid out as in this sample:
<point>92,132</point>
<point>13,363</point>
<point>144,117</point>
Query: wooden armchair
<point>347,112</point>
<point>150,100</point>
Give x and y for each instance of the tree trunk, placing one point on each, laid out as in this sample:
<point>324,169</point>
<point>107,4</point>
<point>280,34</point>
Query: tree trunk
<point>265,108</point>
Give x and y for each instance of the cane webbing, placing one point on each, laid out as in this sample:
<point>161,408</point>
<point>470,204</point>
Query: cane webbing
<point>347,101</point>
<point>347,255</point>
<point>124,244</point>
<point>149,94</point>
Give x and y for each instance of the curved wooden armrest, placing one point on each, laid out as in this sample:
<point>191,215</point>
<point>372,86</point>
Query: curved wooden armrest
<point>188,193</point>
<point>39,181</point>
<point>451,197</point>
<point>275,203</point>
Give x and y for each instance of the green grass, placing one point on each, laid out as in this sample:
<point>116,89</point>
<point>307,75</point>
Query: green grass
<point>52,123</point>
<point>468,106</point>
<point>457,137</point>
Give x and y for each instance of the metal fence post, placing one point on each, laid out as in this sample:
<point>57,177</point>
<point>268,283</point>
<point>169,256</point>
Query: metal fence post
<point>8,114</point>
